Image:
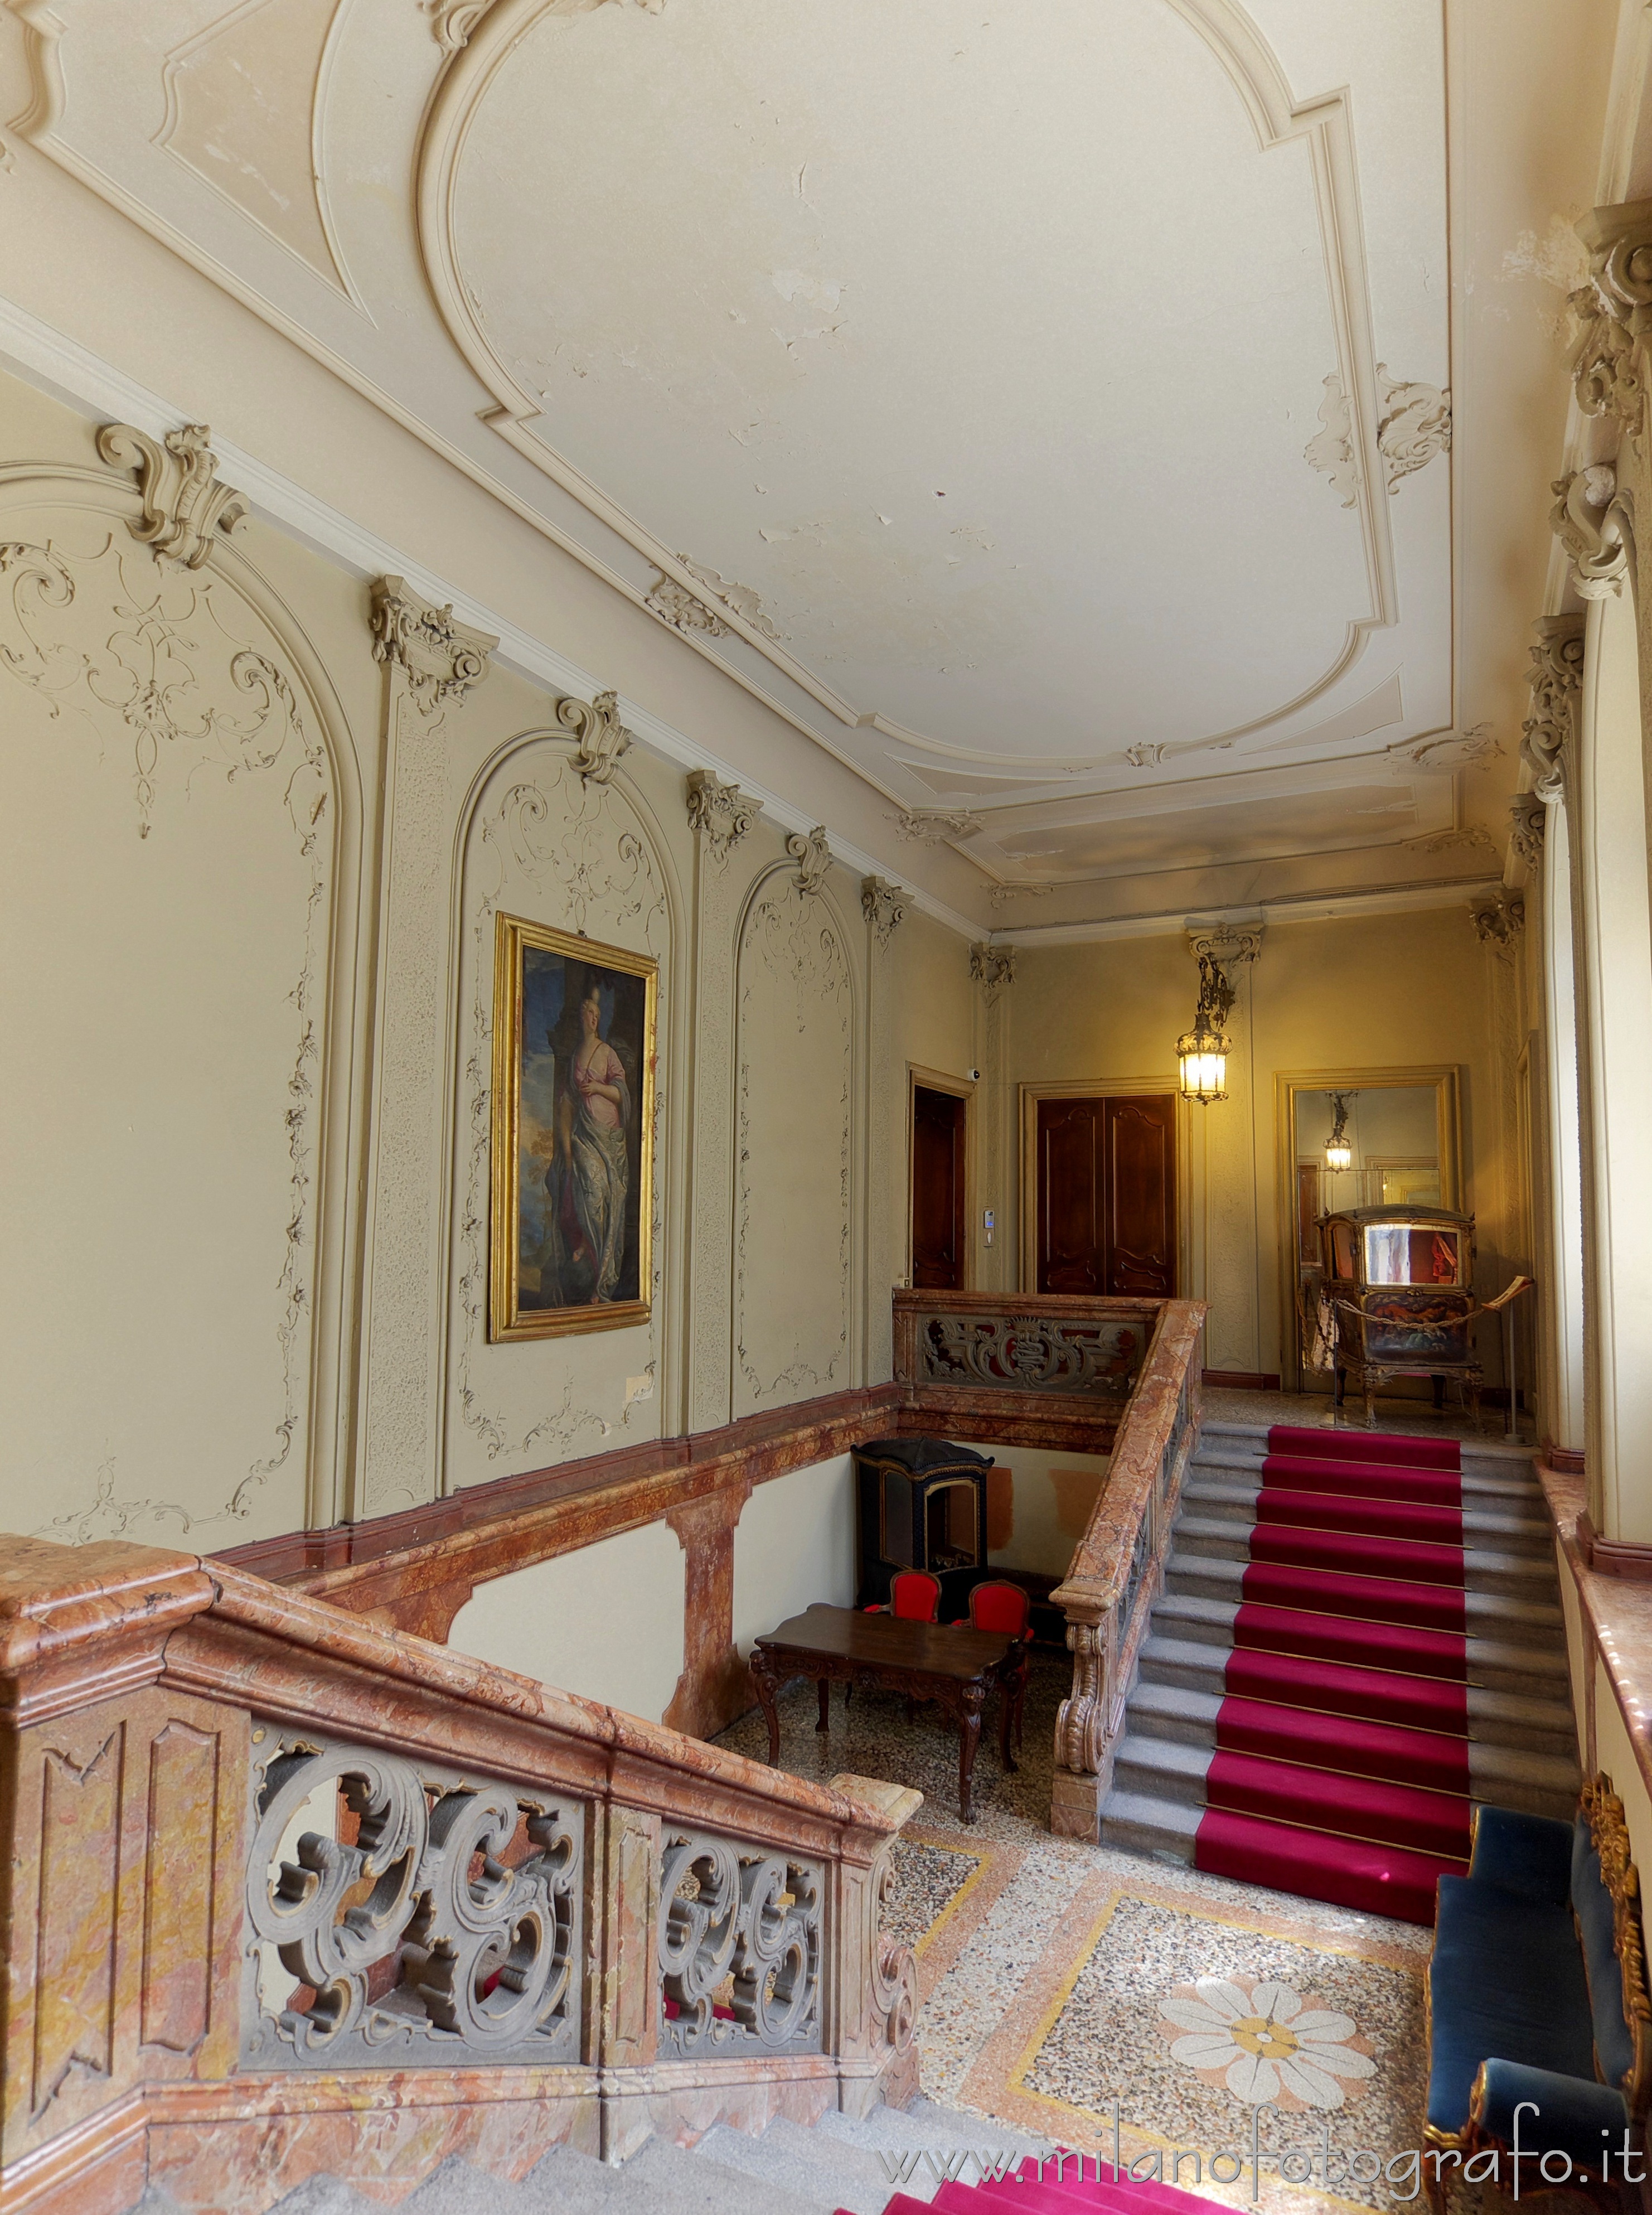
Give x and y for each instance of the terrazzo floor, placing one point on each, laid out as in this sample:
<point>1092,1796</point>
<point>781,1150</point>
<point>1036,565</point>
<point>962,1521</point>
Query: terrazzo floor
<point>1069,1989</point>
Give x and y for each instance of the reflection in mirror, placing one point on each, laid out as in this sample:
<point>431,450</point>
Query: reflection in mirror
<point>1392,1134</point>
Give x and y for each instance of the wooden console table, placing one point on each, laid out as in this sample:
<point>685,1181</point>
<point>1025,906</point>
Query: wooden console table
<point>926,1660</point>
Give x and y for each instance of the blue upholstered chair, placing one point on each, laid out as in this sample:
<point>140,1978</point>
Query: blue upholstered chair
<point>1538,1992</point>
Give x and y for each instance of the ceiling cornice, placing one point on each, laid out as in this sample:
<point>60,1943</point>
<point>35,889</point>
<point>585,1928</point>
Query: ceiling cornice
<point>1311,907</point>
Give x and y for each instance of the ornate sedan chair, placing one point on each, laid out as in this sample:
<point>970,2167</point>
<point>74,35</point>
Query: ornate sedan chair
<point>1398,1282</point>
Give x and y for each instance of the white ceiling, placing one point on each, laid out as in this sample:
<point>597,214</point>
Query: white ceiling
<point>1041,405</point>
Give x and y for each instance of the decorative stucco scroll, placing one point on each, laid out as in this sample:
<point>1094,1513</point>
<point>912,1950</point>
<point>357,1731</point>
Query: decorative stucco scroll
<point>1442,753</point>
<point>185,506</point>
<point>1413,426</point>
<point>603,737</point>
<point>1528,818</point>
<point>1225,943</point>
<point>934,824</point>
<point>993,967</point>
<point>675,604</point>
<point>884,905</point>
<point>1590,527</point>
<point>1614,312</point>
<point>813,857</point>
<point>1499,921</point>
<point>1556,679</point>
<point>718,813</point>
<point>1000,893</point>
<point>441,658</point>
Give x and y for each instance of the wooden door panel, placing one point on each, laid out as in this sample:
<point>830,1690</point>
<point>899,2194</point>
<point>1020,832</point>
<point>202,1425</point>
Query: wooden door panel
<point>938,1229</point>
<point>1106,1195</point>
<point>1071,1219</point>
<point>1141,1195</point>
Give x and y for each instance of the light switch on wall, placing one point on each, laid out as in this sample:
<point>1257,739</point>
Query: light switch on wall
<point>988,1219</point>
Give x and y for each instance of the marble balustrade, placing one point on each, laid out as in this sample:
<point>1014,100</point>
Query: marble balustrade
<point>289,1891</point>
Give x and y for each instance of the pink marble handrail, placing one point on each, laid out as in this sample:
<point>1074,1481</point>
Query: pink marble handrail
<point>1114,1575</point>
<point>1100,1563</point>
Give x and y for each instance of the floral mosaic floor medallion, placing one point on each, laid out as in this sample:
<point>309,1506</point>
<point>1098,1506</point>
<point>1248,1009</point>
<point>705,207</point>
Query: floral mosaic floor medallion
<point>1267,2041</point>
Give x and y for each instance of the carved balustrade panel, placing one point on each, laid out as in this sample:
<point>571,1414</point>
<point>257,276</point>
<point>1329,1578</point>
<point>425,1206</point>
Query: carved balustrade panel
<point>429,1917</point>
<point>739,1949</point>
<point>1030,1353</point>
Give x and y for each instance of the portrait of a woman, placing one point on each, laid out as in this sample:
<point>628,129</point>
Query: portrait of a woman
<point>574,1062</point>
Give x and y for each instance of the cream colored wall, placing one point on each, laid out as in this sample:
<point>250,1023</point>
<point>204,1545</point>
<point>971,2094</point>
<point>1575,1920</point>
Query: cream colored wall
<point>1050,1497</point>
<point>794,1544</point>
<point>606,1622</point>
<point>249,1017</point>
<point>1367,992</point>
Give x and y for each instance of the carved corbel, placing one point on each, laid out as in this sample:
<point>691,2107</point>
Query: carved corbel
<point>1081,1720</point>
<point>440,658</point>
<point>185,506</point>
<point>992,966</point>
<point>1556,681</point>
<point>1615,311</point>
<point>718,814</point>
<point>603,737</point>
<point>1500,920</point>
<point>813,857</point>
<point>1528,818</point>
<point>884,905</point>
<point>1224,943</point>
<point>1591,529</point>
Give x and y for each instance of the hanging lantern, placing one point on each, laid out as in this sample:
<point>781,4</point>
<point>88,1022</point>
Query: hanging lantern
<point>1203,1050</point>
<point>1339,1155</point>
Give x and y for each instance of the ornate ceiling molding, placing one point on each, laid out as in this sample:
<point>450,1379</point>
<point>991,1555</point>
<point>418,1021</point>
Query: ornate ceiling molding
<point>1413,426</point>
<point>184,505</point>
<point>603,737</point>
<point>1556,682</point>
<point>1416,416</point>
<point>1000,894</point>
<point>1440,753</point>
<point>441,658</point>
<point>718,814</point>
<point>813,856</point>
<point>884,905</point>
<point>675,604</point>
<point>933,827</point>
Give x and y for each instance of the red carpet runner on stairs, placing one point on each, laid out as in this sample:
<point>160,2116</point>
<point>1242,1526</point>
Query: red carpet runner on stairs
<point>1342,1762</point>
<point>1024,2193</point>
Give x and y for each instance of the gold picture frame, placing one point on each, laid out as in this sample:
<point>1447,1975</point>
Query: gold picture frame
<point>572,1174</point>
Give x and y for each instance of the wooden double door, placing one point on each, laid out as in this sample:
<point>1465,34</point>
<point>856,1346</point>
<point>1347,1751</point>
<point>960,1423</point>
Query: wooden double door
<point>1106,1195</point>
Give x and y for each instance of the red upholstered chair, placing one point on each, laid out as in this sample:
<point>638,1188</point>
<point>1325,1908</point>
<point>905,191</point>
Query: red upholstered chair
<point>1004,1608</point>
<point>914,1596</point>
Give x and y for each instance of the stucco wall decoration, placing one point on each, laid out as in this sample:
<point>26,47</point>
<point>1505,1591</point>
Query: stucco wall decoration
<point>550,844</point>
<point>176,1012</point>
<point>794,1139</point>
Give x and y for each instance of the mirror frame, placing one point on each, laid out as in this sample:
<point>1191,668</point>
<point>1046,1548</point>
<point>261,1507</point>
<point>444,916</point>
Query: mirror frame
<point>1446,1080</point>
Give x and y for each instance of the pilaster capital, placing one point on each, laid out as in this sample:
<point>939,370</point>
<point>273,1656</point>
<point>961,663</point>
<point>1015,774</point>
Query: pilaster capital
<point>1615,310</point>
<point>718,814</point>
<point>1229,945</point>
<point>1556,682</point>
<point>1499,920</point>
<point>992,966</point>
<point>813,856</point>
<point>603,737</point>
<point>440,657</point>
<point>884,905</point>
<point>1590,526</point>
<point>184,505</point>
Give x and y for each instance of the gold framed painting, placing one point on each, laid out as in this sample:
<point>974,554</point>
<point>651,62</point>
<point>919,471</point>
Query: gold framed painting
<point>572,1167</point>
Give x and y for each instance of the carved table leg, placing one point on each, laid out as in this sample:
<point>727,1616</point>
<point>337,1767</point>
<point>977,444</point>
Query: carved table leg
<point>823,1702</point>
<point>972,1698</point>
<point>763,1676</point>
